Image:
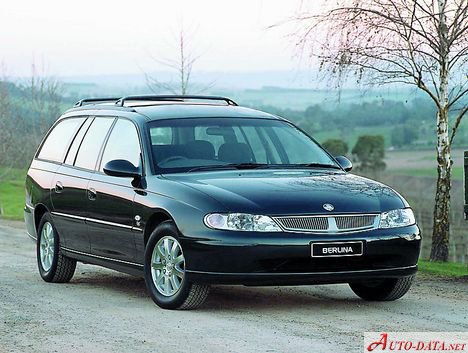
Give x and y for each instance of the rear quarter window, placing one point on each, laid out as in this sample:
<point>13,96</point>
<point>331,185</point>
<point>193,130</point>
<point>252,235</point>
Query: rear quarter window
<point>57,141</point>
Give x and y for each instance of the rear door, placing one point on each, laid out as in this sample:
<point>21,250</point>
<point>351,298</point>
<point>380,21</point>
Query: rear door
<point>67,188</point>
<point>111,214</point>
<point>70,196</point>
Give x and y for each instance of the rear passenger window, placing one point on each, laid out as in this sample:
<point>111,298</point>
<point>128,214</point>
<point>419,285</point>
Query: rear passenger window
<point>123,143</point>
<point>55,146</point>
<point>91,146</point>
<point>70,159</point>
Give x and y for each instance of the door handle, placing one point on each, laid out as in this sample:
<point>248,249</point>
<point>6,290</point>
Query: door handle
<point>58,187</point>
<point>92,194</point>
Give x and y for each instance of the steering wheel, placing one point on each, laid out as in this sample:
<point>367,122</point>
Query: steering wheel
<point>172,158</point>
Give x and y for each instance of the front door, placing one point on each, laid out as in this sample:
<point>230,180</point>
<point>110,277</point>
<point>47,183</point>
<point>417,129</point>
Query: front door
<point>110,212</point>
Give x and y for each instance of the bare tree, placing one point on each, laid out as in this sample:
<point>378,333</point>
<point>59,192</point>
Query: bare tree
<point>417,42</point>
<point>42,94</point>
<point>6,134</point>
<point>182,64</point>
<point>27,110</point>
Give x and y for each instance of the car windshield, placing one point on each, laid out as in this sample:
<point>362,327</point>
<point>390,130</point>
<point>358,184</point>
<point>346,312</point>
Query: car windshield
<point>198,144</point>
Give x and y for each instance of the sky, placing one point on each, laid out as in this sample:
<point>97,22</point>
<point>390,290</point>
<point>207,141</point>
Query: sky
<point>100,37</point>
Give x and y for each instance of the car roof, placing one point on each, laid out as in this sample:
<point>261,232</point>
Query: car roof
<point>184,110</point>
<point>168,107</point>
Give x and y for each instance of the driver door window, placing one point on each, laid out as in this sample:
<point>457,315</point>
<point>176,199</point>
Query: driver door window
<point>123,143</point>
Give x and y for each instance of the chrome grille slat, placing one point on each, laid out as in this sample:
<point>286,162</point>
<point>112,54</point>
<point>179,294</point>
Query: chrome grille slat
<point>324,224</point>
<point>353,222</point>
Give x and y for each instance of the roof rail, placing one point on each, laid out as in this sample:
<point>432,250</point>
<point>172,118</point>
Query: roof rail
<point>172,98</point>
<point>82,102</point>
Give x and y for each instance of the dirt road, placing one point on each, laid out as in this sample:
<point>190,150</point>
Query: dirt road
<point>105,311</point>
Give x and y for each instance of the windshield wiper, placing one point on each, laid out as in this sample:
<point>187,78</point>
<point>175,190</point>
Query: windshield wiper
<point>261,166</point>
<point>318,165</point>
<point>249,165</point>
<point>209,167</point>
<point>229,166</point>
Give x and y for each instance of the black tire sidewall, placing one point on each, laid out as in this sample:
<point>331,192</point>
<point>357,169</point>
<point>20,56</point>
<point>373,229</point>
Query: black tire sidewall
<point>380,292</point>
<point>48,276</point>
<point>173,302</point>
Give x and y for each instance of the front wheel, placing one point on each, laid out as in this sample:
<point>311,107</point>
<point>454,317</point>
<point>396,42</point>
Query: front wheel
<point>165,271</point>
<point>387,289</point>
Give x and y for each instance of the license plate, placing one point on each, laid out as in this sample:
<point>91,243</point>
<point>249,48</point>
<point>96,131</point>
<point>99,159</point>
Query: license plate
<point>329,249</point>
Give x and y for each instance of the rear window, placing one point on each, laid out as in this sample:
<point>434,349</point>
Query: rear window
<point>55,146</point>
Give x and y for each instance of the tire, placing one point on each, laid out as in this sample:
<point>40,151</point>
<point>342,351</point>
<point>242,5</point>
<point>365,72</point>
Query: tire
<point>383,289</point>
<point>52,264</point>
<point>165,271</point>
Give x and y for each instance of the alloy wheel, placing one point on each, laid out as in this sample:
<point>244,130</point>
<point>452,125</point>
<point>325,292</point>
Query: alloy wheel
<point>47,246</point>
<point>167,266</point>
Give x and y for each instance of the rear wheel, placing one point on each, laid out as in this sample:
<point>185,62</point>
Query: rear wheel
<point>53,266</point>
<point>165,271</point>
<point>387,289</point>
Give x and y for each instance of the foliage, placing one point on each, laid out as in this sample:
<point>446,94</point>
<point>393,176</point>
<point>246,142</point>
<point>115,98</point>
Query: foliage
<point>447,269</point>
<point>12,193</point>
<point>27,110</point>
<point>404,135</point>
<point>369,153</point>
<point>336,147</point>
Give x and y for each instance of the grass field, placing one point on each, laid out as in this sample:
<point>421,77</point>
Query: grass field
<point>12,193</point>
<point>421,163</point>
<point>446,269</point>
<point>457,172</point>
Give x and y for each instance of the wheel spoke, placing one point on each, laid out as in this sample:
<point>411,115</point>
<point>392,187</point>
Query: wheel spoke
<point>167,285</point>
<point>179,259</point>
<point>166,247</point>
<point>160,278</point>
<point>159,251</point>
<point>178,272</point>
<point>173,282</point>
<point>157,266</point>
<point>174,250</point>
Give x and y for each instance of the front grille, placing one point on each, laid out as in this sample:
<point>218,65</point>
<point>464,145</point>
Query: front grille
<point>315,223</point>
<point>328,224</point>
<point>354,222</point>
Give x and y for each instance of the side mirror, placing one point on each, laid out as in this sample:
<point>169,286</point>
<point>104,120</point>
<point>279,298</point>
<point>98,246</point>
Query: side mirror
<point>122,168</point>
<point>345,163</point>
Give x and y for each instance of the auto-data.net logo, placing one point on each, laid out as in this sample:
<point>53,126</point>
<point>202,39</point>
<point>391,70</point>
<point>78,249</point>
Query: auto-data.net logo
<point>446,342</point>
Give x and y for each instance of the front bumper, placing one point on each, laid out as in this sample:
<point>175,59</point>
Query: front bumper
<point>285,258</point>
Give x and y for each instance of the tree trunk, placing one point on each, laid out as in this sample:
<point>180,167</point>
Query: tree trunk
<point>441,228</point>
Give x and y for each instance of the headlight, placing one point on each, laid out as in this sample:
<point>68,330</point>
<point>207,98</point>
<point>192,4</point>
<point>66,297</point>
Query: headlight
<point>241,222</point>
<point>397,218</point>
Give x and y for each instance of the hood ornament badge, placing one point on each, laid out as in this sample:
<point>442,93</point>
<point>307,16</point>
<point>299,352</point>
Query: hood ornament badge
<point>328,207</point>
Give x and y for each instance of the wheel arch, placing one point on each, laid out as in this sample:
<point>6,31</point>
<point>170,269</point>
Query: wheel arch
<point>159,216</point>
<point>39,211</point>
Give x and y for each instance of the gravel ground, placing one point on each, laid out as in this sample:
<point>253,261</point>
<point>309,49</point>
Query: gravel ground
<point>105,311</point>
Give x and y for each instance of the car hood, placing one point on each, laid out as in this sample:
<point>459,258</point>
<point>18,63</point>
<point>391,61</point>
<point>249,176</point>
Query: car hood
<point>292,192</point>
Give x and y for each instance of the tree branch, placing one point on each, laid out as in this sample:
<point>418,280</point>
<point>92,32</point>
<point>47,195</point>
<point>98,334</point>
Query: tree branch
<point>457,123</point>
